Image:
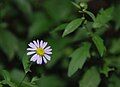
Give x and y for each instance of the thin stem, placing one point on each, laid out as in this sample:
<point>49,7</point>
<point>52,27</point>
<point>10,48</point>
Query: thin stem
<point>22,80</point>
<point>24,76</point>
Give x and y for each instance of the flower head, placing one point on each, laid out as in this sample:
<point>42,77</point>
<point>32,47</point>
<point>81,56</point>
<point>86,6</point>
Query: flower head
<point>40,51</point>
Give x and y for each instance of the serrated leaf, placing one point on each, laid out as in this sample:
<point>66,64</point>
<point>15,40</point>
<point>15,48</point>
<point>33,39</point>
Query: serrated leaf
<point>26,63</point>
<point>8,46</point>
<point>78,58</point>
<point>90,14</point>
<point>72,26</point>
<point>6,75</point>
<point>98,41</point>
<point>102,18</point>
<point>90,79</point>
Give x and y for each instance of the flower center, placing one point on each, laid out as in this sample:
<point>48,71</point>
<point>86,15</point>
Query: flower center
<point>40,51</point>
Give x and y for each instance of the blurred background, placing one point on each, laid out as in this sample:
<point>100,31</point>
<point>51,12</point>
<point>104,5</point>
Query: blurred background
<point>22,21</point>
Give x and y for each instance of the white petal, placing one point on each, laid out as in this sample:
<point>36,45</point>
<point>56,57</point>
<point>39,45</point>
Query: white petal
<point>41,43</point>
<point>34,58</point>
<point>47,48</point>
<point>47,57</point>
<point>39,60</point>
<point>30,49</point>
<point>29,53</point>
<point>32,45</point>
<point>44,45</point>
<point>35,43</point>
<point>45,61</point>
<point>38,43</point>
<point>48,52</point>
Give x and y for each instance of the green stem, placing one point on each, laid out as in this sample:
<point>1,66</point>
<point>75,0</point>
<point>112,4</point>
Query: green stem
<point>22,80</point>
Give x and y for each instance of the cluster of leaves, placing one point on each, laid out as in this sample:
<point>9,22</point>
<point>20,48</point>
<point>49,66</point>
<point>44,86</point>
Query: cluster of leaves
<point>86,52</point>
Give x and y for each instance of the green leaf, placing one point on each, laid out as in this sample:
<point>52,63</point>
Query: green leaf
<point>102,18</point>
<point>114,81</point>
<point>8,43</point>
<point>76,5</point>
<point>116,17</point>
<point>26,63</point>
<point>60,27</point>
<point>98,41</point>
<point>90,14</point>
<point>72,26</point>
<point>50,81</point>
<point>6,75</point>
<point>115,47</point>
<point>17,76</point>
<point>11,84</point>
<point>58,9</point>
<point>34,79</point>
<point>90,79</point>
<point>1,85</point>
<point>24,6</point>
<point>106,69</point>
<point>78,58</point>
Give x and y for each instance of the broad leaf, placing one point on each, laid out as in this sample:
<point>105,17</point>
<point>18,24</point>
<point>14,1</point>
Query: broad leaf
<point>8,43</point>
<point>78,58</point>
<point>72,26</point>
<point>26,63</point>
<point>98,41</point>
<point>90,79</point>
<point>102,18</point>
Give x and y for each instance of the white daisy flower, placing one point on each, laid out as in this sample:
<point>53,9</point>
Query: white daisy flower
<point>40,51</point>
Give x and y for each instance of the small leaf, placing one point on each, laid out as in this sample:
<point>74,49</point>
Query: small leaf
<point>98,41</point>
<point>78,58</point>
<point>72,26</point>
<point>34,79</point>
<point>105,70</point>
<point>76,5</point>
<point>26,63</point>
<point>11,84</point>
<point>60,27</point>
<point>102,18</point>
<point>6,75</point>
<point>90,79</point>
<point>90,14</point>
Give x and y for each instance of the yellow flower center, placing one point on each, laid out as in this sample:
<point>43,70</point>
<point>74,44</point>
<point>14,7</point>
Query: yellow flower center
<point>40,51</point>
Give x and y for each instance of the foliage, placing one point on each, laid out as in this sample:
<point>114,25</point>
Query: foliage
<point>84,39</point>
